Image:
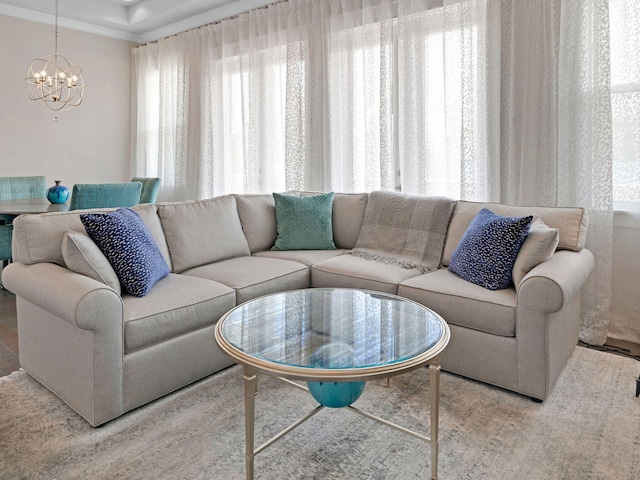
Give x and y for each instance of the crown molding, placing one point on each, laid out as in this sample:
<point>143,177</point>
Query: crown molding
<point>25,14</point>
<point>215,14</point>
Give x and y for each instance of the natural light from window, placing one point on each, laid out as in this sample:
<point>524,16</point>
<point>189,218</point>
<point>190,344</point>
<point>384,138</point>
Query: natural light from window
<point>625,103</point>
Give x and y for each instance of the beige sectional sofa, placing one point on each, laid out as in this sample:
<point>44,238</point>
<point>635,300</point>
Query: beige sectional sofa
<point>105,353</point>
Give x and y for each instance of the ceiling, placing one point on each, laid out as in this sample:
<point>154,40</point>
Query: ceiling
<point>135,20</point>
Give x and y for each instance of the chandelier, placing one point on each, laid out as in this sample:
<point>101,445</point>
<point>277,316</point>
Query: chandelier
<point>54,82</point>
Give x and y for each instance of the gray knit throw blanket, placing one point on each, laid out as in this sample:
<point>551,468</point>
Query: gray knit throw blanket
<point>404,230</point>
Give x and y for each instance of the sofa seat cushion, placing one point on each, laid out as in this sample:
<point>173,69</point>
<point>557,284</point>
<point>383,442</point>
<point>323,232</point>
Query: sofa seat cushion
<point>177,304</point>
<point>464,303</point>
<point>306,257</point>
<point>347,271</point>
<point>253,277</point>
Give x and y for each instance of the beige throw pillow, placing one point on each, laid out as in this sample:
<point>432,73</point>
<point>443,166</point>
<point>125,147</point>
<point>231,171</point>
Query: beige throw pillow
<point>82,255</point>
<point>538,246</point>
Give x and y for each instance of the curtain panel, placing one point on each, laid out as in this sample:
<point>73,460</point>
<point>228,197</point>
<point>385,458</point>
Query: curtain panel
<point>295,95</point>
<point>484,100</point>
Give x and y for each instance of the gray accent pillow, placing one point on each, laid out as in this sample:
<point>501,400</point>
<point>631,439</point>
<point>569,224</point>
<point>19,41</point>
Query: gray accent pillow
<point>538,247</point>
<point>82,255</point>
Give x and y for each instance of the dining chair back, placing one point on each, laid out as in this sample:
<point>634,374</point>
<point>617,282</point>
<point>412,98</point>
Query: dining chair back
<point>23,187</point>
<point>105,195</point>
<point>12,188</point>
<point>150,188</point>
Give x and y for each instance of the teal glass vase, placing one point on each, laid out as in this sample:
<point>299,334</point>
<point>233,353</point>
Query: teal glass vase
<point>58,193</point>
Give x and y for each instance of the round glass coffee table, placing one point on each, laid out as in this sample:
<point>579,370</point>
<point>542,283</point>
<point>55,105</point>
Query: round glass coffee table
<point>335,340</point>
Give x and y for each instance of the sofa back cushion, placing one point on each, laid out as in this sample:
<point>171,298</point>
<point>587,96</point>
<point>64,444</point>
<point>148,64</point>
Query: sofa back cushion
<point>571,222</point>
<point>38,238</point>
<point>202,231</point>
<point>258,216</point>
<point>347,216</point>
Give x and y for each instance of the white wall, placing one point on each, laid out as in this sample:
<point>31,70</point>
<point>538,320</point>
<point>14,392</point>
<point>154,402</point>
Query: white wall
<point>89,143</point>
<point>625,304</point>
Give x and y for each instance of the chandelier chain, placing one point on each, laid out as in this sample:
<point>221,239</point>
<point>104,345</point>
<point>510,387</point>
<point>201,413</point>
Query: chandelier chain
<point>56,43</point>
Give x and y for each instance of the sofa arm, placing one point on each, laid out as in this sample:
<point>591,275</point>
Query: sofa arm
<point>548,319</point>
<point>71,337</point>
<point>82,301</point>
<point>550,285</point>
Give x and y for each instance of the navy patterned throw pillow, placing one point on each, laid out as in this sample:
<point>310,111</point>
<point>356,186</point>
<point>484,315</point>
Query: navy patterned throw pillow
<point>488,249</point>
<point>127,243</point>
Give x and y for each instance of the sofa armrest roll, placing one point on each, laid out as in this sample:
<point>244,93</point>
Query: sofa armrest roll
<point>550,285</point>
<point>82,301</point>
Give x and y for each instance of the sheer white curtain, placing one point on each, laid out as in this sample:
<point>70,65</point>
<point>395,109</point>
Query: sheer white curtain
<point>293,96</point>
<point>556,125</point>
<point>509,101</point>
<point>625,104</point>
<point>448,69</point>
<point>585,146</point>
<point>495,101</point>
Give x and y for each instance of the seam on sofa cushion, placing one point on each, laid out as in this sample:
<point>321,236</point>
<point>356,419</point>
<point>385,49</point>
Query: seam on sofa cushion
<point>354,276</point>
<point>273,278</point>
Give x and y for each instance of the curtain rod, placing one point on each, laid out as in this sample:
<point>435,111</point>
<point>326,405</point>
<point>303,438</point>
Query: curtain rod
<point>216,22</point>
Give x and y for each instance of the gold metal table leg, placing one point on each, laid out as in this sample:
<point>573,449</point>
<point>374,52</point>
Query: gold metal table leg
<point>434,388</point>
<point>250,386</point>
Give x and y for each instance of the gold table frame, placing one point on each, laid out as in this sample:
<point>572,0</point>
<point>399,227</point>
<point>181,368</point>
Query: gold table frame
<point>253,365</point>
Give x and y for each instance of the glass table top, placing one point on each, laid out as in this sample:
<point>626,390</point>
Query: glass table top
<point>333,328</point>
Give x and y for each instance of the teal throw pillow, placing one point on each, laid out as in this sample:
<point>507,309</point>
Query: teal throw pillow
<point>304,223</point>
<point>488,249</point>
<point>124,239</point>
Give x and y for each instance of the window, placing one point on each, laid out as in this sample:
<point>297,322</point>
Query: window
<point>625,102</point>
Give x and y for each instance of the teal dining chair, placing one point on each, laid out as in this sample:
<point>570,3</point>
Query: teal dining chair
<point>23,187</point>
<point>105,195</point>
<point>150,188</point>
<point>5,243</point>
<point>12,188</point>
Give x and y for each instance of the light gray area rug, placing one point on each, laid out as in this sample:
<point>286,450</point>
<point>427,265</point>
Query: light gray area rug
<point>588,429</point>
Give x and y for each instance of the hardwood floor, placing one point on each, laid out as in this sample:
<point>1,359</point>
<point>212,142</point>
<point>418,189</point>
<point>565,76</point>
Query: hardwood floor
<point>9,337</point>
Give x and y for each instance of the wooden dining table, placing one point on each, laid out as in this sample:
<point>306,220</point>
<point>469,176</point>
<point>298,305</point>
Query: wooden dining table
<point>21,206</point>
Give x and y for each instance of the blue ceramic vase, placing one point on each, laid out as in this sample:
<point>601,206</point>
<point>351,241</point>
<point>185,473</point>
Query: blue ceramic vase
<point>58,193</point>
